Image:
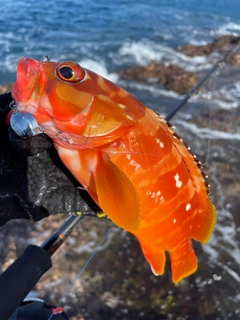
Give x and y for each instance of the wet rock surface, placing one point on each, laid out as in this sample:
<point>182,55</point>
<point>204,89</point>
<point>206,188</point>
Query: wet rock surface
<point>234,59</point>
<point>223,42</point>
<point>171,77</point>
<point>177,79</point>
<point>221,120</point>
<point>6,87</point>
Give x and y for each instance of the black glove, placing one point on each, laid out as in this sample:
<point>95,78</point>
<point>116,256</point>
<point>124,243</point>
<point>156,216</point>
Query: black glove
<point>38,310</point>
<point>33,181</point>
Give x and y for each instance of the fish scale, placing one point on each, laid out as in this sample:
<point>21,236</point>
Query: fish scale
<point>125,155</point>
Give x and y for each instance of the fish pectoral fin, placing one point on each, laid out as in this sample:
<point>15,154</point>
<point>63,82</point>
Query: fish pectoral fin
<point>116,194</point>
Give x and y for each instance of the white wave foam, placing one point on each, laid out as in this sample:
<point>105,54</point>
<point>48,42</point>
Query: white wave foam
<point>99,68</point>
<point>232,93</point>
<point>231,272</point>
<point>9,63</point>
<point>141,52</point>
<point>227,97</point>
<point>225,233</point>
<point>154,90</point>
<point>226,105</point>
<point>207,133</point>
<point>90,246</point>
<point>227,28</point>
<point>144,51</point>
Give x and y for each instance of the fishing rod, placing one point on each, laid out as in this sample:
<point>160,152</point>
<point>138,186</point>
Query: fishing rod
<point>58,237</point>
<point>193,90</point>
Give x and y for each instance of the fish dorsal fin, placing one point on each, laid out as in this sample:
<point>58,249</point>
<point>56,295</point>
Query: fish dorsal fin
<point>116,194</point>
<point>205,218</point>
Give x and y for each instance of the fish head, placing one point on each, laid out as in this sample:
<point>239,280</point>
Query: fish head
<point>65,97</point>
<point>45,88</point>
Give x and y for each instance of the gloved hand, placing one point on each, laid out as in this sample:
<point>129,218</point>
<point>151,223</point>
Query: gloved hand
<point>33,181</point>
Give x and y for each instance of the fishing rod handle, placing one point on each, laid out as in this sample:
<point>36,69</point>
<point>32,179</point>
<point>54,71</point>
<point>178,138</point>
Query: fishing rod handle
<point>19,279</point>
<point>57,238</point>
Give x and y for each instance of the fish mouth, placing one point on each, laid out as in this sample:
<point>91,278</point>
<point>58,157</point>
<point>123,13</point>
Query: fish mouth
<point>27,74</point>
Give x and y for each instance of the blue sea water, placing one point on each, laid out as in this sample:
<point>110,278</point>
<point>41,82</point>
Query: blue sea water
<point>110,36</point>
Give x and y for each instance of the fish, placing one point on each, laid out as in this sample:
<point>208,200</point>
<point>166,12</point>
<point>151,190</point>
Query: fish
<point>127,157</point>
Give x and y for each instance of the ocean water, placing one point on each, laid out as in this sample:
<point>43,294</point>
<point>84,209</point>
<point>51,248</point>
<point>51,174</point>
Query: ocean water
<point>110,36</point>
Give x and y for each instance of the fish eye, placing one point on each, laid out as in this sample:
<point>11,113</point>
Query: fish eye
<point>70,72</point>
<point>66,72</point>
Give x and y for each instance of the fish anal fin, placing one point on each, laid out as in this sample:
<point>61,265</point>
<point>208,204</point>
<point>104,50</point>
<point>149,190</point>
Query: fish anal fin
<point>204,222</point>
<point>116,194</point>
<point>183,261</point>
<point>155,256</point>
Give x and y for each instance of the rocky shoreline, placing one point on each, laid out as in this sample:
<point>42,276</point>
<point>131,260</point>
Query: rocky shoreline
<point>223,42</point>
<point>6,87</point>
<point>170,77</point>
<point>173,77</point>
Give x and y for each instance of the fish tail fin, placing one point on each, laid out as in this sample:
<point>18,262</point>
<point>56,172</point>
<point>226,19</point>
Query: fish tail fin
<point>183,261</point>
<point>204,223</point>
<point>155,256</point>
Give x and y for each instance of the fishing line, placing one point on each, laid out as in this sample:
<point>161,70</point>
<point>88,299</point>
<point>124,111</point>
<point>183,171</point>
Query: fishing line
<point>211,77</point>
<point>211,81</point>
<point>215,75</point>
<point>195,88</point>
<point>209,129</point>
<point>80,273</point>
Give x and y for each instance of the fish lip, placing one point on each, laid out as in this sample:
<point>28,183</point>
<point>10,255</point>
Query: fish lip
<point>27,74</point>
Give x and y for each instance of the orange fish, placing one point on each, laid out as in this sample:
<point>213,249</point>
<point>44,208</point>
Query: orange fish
<point>126,156</point>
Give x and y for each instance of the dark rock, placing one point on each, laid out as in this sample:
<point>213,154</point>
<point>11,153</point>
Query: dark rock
<point>192,50</point>
<point>175,78</point>
<point>6,87</point>
<point>221,120</point>
<point>234,59</point>
<point>225,41</point>
<point>171,77</point>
